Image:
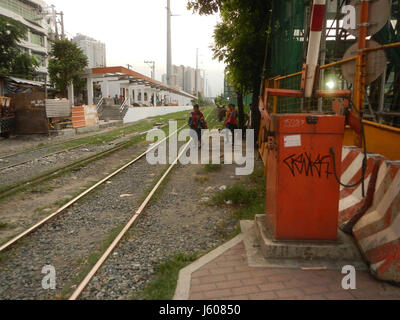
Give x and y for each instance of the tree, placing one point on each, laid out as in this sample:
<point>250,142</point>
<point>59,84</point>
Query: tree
<point>240,42</point>
<point>205,7</point>
<point>221,100</point>
<point>66,64</point>
<point>12,59</point>
<point>202,102</point>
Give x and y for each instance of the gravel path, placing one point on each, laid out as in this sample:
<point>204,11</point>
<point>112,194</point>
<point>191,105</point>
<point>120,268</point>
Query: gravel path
<point>24,209</point>
<point>64,242</point>
<point>178,222</point>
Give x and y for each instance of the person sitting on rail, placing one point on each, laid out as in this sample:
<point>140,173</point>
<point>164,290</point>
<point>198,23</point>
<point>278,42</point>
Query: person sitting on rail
<point>197,122</point>
<point>232,120</point>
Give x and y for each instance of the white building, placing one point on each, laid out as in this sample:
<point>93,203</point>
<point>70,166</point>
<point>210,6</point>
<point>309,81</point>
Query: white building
<point>94,50</point>
<point>32,14</point>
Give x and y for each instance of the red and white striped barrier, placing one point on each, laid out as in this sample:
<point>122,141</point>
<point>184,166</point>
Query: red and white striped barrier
<point>378,231</point>
<point>314,43</point>
<point>352,204</point>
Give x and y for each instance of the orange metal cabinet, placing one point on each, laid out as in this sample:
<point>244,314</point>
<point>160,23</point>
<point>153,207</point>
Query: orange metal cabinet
<point>302,192</point>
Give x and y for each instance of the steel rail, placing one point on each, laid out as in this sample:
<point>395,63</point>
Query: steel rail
<point>68,166</point>
<point>45,156</point>
<point>57,144</point>
<point>134,134</point>
<point>117,240</point>
<point>8,244</point>
<point>131,222</point>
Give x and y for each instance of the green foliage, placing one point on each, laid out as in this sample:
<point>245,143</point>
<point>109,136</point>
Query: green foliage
<point>203,102</point>
<point>66,64</point>
<point>221,100</point>
<point>164,284</point>
<point>12,59</point>
<point>212,167</point>
<point>248,198</point>
<point>205,7</point>
<point>238,194</point>
<point>240,41</point>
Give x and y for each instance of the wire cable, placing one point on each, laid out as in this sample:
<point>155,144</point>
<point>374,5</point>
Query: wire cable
<point>364,163</point>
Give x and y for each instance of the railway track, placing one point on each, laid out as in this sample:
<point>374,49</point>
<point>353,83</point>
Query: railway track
<point>81,287</point>
<point>44,156</point>
<point>54,152</point>
<point>120,236</point>
<point>35,227</point>
<point>41,224</point>
<point>23,184</point>
<point>3,157</point>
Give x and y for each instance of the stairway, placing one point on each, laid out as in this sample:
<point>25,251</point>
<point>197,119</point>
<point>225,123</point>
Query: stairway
<point>108,111</point>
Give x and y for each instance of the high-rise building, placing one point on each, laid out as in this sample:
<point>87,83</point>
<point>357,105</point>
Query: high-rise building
<point>32,14</point>
<point>184,78</point>
<point>94,50</point>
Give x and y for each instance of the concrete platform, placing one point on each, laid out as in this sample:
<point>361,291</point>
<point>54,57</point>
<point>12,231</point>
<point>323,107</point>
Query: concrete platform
<point>238,271</point>
<point>332,255</point>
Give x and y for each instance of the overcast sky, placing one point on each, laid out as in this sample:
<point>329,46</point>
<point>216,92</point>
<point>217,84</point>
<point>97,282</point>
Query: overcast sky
<point>135,31</point>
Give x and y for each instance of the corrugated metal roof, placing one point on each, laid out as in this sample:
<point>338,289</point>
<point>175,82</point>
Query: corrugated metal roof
<point>23,81</point>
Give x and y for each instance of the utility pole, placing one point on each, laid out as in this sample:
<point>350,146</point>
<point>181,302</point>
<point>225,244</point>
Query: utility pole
<point>129,66</point>
<point>196,81</point>
<point>62,26</point>
<point>54,14</point>
<point>152,65</point>
<point>169,49</point>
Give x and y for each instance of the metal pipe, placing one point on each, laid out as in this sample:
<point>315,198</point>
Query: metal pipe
<point>317,20</point>
<point>169,46</point>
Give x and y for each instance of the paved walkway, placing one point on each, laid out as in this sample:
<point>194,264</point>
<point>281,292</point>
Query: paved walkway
<point>228,277</point>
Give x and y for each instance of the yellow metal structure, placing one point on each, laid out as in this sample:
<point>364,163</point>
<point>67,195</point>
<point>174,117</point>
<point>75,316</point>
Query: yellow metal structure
<point>381,139</point>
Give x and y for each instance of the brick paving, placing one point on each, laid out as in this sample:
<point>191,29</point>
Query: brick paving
<point>229,277</point>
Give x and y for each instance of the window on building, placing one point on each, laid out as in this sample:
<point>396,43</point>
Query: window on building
<point>22,8</point>
<point>37,38</point>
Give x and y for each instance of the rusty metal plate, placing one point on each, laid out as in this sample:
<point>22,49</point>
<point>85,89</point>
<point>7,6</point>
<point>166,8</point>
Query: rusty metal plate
<point>378,16</point>
<point>376,63</point>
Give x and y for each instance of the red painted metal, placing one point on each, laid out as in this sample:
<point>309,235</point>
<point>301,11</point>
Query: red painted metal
<point>284,93</point>
<point>318,15</point>
<point>302,192</point>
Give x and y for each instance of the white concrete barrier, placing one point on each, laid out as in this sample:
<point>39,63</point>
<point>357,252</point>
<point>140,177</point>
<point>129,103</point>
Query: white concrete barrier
<point>139,113</point>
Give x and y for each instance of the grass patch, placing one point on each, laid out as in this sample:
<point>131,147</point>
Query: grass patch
<point>163,286</point>
<point>201,179</point>
<point>212,167</point>
<point>247,197</point>
<point>4,225</point>
<point>88,263</point>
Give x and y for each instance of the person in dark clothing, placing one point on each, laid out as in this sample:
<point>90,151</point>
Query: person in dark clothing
<point>197,122</point>
<point>231,121</point>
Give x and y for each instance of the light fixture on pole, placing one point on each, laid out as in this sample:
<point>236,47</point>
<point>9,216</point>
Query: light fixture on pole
<point>152,65</point>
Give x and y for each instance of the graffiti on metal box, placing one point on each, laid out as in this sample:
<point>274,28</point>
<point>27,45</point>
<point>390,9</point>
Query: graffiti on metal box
<point>306,164</point>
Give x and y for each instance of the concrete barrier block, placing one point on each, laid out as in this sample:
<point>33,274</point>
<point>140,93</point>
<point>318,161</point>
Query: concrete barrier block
<point>378,232</point>
<point>352,204</point>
